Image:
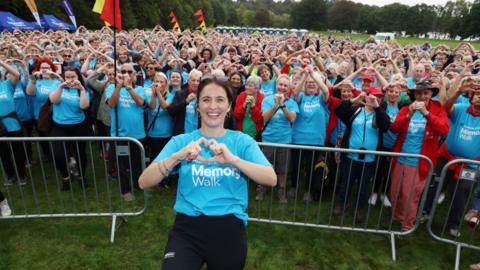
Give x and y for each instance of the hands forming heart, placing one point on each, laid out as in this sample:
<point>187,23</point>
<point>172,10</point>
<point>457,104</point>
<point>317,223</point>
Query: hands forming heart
<point>221,153</point>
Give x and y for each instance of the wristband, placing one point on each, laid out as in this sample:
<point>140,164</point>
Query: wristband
<point>282,106</point>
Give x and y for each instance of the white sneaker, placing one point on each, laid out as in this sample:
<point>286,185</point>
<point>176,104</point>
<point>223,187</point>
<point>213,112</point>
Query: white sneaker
<point>441,198</point>
<point>385,201</point>
<point>454,232</point>
<point>373,199</point>
<point>5,210</point>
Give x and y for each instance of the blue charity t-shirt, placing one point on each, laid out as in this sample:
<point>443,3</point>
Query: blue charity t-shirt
<point>462,99</point>
<point>337,132</point>
<point>7,105</point>
<point>268,88</point>
<point>414,139</point>
<point>22,102</point>
<point>43,89</point>
<point>130,115</point>
<point>147,83</point>
<point>363,135</point>
<point>410,82</point>
<point>463,140</point>
<point>389,137</point>
<point>191,117</point>
<point>68,111</point>
<point>279,129</point>
<point>163,126</point>
<point>213,189</point>
<point>310,126</point>
<point>357,81</point>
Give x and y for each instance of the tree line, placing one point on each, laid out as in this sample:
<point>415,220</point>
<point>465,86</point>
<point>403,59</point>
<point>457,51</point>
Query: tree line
<point>456,18</point>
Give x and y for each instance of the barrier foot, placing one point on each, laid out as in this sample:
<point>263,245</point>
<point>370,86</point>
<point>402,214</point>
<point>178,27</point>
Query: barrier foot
<point>113,227</point>
<point>392,242</point>
<point>457,257</point>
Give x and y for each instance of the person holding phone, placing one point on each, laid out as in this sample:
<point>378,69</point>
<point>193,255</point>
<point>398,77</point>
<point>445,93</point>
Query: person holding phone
<point>419,127</point>
<point>365,121</point>
<point>210,207</point>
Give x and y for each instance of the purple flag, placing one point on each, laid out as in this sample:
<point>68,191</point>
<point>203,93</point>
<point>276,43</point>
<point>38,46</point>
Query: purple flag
<point>68,8</point>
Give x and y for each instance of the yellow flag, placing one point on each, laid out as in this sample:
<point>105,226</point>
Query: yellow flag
<point>202,26</point>
<point>98,7</point>
<point>176,27</point>
<point>33,8</point>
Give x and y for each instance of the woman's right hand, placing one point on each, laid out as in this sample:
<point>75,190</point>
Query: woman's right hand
<point>191,151</point>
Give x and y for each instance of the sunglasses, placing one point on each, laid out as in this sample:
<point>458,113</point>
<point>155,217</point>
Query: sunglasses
<point>150,68</point>
<point>67,55</point>
<point>127,71</point>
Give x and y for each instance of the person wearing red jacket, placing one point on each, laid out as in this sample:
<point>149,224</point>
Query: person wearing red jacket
<point>419,127</point>
<point>248,107</point>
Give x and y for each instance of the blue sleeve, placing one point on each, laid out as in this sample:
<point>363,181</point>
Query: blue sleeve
<point>9,86</point>
<point>459,108</point>
<point>109,91</point>
<point>148,95</point>
<point>170,148</point>
<point>252,152</point>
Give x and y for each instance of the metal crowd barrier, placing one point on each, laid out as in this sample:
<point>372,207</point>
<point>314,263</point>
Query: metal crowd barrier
<point>319,208</point>
<point>452,221</point>
<point>98,191</point>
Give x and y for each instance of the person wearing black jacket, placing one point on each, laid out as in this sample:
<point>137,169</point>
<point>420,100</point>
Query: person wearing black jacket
<point>183,107</point>
<point>365,121</point>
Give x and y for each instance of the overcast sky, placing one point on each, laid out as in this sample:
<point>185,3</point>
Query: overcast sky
<point>405,2</point>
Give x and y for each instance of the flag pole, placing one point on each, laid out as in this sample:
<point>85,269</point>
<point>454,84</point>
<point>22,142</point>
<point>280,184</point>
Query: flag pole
<point>115,62</point>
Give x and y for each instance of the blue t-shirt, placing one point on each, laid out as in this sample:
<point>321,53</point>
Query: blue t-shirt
<point>43,88</point>
<point>191,117</point>
<point>22,102</point>
<point>310,126</point>
<point>130,115</point>
<point>67,111</point>
<point>7,105</point>
<point>414,139</point>
<point>279,129</point>
<point>463,140</point>
<point>163,126</point>
<point>147,83</point>
<point>410,82</point>
<point>462,99</point>
<point>268,88</point>
<point>213,189</point>
<point>363,135</point>
<point>389,137</point>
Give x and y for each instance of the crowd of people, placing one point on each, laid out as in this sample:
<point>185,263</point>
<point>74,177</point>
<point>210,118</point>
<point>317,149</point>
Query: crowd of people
<point>285,89</point>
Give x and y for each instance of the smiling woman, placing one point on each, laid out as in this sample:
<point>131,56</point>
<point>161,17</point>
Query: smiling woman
<point>212,189</point>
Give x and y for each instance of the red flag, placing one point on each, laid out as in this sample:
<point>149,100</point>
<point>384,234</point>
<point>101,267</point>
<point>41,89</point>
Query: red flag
<point>107,13</point>
<point>198,13</point>
<point>173,20</point>
<point>171,14</point>
<point>201,19</point>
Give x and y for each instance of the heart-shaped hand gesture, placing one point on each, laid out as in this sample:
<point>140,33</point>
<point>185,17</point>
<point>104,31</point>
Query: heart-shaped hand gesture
<point>221,153</point>
<point>191,151</point>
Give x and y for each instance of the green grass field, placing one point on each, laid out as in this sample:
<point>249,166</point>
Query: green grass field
<point>83,243</point>
<point>404,40</point>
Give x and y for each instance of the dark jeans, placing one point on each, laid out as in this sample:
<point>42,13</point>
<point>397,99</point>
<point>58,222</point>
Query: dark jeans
<point>351,170</point>
<point>128,164</point>
<point>2,197</point>
<point>28,126</point>
<point>62,150</point>
<point>16,164</point>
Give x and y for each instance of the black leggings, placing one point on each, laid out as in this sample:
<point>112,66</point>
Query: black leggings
<point>128,164</point>
<point>2,197</point>
<point>218,241</point>
<point>62,150</point>
<point>17,164</point>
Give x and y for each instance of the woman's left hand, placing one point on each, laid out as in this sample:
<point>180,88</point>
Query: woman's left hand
<point>221,153</point>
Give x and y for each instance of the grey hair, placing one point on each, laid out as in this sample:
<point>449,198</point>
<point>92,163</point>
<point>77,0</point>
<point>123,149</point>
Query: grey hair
<point>255,81</point>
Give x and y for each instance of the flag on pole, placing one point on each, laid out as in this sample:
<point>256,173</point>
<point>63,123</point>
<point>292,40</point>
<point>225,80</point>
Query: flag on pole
<point>110,8</point>
<point>200,19</point>
<point>69,10</point>
<point>33,8</point>
<point>173,19</point>
<point>98,7</point>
